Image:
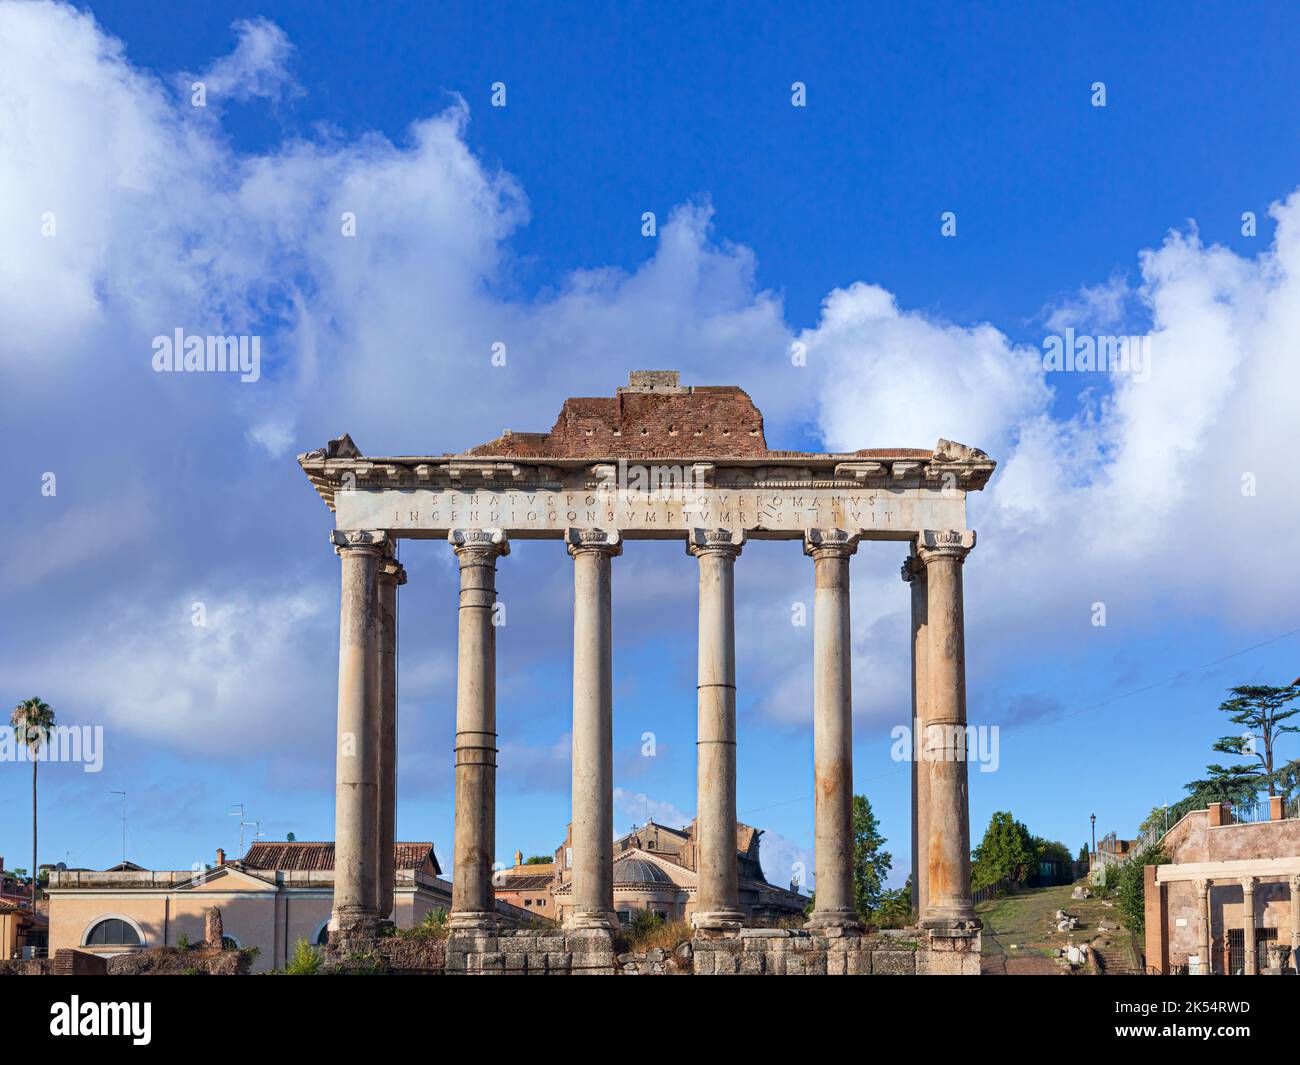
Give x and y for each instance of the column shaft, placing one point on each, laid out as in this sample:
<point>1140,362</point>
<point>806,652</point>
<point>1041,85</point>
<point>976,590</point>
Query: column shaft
<point>355,795</point>
<point>948,901</point>
<point>1295,924</point>
<point>836,904</point>
<point>1248,923</point>
<point>473,899</point>
<point>593,730</point>
<point>1203,929</point>
<point>718,874</point>
<point>914,574</point>
<point>391,575</point>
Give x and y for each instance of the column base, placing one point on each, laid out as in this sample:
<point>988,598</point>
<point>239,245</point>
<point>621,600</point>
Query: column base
<point>718,921</point>
<point>955,921</point>
<point>841,921</point>
<point>604,920</point>
<point>473,920</point>
<point>354,923</point>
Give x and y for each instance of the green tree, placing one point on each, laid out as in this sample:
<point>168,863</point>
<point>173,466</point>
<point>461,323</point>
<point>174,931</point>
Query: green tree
<point>1084,854</point>
<point>1129,885</point>
<point>32,720</point>
<point>306,960</point>
<point>871,864</point>
<point>1007,852</point>
<point>540,859</point>
<point>1261,710</point>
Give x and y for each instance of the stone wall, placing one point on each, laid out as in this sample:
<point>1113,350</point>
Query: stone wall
<point>581,952</point>
<point>170,961</point>
<point>753,952</point>
<point>78,963</point>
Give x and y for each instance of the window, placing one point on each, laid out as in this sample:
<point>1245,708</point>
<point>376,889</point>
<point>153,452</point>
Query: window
<point>624,918</point>
<point>113,932</point>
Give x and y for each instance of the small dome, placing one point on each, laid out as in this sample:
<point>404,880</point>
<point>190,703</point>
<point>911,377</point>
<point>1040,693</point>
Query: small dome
<point>639,871</point>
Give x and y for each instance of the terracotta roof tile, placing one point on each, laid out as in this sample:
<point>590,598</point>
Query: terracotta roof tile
<point>319,856</point>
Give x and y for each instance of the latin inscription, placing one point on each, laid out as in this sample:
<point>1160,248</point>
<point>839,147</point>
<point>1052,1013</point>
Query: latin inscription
<point>774,510</point>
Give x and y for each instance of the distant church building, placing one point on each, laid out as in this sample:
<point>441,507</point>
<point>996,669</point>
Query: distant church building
<point>655,870</point>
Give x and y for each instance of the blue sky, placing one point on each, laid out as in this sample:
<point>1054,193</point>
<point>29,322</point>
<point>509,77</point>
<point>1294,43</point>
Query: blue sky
<point>523,223</point>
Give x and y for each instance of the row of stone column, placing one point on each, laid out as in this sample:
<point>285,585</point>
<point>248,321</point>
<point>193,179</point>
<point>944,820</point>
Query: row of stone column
<point>365,764</point>
<point>1251,962</point>
<point>366,755</point>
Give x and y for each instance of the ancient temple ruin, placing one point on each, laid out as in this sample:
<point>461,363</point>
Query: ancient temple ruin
<point>658,460</point>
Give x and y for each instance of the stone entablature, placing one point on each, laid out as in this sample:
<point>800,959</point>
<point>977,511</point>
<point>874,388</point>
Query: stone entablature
<point>889,498</point>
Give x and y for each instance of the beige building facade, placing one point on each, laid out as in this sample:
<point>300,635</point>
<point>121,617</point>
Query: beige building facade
<point>277,894</point>
<point>1229,901</point>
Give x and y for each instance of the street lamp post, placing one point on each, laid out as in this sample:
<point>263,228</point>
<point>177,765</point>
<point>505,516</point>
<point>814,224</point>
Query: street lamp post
<point>1093,819</point>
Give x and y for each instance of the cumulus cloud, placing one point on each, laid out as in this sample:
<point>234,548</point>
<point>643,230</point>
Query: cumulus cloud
<point>257,68</point>
<point>140,217</point>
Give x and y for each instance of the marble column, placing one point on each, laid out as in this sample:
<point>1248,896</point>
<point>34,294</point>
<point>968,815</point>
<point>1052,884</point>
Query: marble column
<point>593,730</point>
<point>830,550</point>
<point>473,899</point>
<point>948,903</point>
<point>1203,924</point>
<point>391,576</point>
<point>1295,923</point>
<point>718,878</point>
<point>1252,962</point>
<point>1248,924</point>
<point>914,575</point>
<point>356,790</point>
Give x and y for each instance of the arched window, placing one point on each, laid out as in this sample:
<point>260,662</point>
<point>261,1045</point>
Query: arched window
<point>113,932</point>
<point>323,936</point>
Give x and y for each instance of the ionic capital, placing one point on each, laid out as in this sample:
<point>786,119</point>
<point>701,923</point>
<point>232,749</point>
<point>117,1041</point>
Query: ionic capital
<point>726,542</point>
<point>479,545</point>
<point>913,569</point>
<point>392,572</point>
<point>932,544</point>
<point>603,541</point>
<point>830,543</point>
<point>362,541</point>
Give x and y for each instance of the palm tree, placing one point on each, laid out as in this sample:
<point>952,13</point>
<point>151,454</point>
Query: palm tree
<point>32,721</point>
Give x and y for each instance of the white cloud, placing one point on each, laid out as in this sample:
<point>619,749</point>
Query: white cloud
<point>162,223</point>
<point>256,69</point>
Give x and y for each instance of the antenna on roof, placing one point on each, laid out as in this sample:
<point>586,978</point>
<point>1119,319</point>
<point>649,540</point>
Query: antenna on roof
<point>238,811</point>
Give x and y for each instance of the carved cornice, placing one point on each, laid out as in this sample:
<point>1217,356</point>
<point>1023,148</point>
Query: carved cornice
<point>479,544</point>
<point>935,544</point>
<point>830,543</point>
<point>603,541</point>
<point>715,542</point>
<point>340,467</point>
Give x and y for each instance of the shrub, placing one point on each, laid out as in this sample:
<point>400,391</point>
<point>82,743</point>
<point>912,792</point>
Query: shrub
<point>306,960</point>
<point>434,926</point>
